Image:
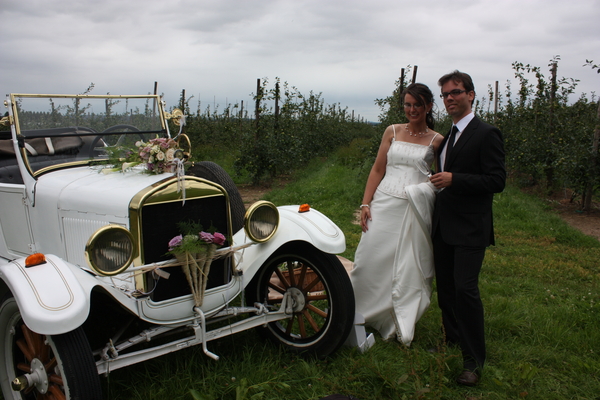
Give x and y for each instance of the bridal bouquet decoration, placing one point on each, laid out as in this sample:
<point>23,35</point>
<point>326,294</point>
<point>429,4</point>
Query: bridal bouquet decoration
<point>195,252</point>
<point>158,154</point>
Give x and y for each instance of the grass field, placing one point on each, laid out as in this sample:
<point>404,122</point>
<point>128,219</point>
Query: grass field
<point>539,284</point>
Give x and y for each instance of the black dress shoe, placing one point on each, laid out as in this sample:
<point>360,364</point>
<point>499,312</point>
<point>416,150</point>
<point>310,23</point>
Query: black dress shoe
<point>468,378</point>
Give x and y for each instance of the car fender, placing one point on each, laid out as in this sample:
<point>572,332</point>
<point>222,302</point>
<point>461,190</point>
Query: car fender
<point>310,226</point>
<point>53,297</point>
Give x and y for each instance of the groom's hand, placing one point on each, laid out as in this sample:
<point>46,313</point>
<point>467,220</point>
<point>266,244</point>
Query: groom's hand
<point>441,180</point>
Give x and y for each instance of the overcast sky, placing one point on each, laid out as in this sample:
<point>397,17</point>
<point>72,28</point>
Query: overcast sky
<point>350,51</point>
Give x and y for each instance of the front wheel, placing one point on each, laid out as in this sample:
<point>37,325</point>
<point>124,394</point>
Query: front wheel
<point>323,299</point>
<point>48,367</point>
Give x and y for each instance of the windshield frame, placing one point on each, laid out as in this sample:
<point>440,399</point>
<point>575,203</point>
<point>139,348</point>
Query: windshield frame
<point>64,142</point>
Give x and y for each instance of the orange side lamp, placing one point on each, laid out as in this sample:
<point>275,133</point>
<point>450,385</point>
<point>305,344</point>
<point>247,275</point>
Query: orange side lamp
<point>304,208</point>
<point>35,259</point>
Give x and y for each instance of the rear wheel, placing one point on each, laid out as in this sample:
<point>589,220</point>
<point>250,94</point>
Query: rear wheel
<point>323,299</point>
<point>49,367</point>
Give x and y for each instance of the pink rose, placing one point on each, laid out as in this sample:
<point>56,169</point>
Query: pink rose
<point>218,238</point>
<point>176,241</point>
<point>206,237</point>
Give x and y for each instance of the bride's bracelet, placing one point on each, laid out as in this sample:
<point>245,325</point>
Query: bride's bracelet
<point>365,205</point>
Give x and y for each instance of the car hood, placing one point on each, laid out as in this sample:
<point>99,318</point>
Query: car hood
<point>88,190</point>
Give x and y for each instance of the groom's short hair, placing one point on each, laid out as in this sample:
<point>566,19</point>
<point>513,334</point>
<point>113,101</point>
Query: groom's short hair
<point>458,77</point>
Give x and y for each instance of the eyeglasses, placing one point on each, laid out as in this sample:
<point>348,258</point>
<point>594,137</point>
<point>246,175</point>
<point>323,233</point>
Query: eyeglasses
<point>452,93</point>
<point>408,106</point>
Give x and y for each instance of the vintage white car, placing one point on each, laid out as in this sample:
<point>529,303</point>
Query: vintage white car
<point>88,282</point>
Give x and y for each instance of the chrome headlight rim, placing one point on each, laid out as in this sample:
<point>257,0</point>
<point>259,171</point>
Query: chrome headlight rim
<point>100,235</point>
<point>260,210</point>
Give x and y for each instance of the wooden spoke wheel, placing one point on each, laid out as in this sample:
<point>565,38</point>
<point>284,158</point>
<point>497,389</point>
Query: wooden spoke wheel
<point>44,367</point>
<point>322,300</point>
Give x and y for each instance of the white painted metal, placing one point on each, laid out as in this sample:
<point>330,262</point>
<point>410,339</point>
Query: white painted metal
<point>57,212</point>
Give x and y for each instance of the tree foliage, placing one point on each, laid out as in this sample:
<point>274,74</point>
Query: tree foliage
<point>548,138</point>
<point>302,127</point>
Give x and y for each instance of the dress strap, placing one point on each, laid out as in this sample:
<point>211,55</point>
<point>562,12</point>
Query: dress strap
<point>432,139</point>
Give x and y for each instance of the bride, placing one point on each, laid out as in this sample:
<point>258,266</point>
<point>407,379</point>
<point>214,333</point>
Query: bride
<point>393,264</point>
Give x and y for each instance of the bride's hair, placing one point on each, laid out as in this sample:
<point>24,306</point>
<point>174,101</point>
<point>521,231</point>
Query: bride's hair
<point>424,96</point>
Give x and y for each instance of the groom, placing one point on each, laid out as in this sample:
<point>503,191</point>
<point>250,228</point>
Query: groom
<point>470,170</point>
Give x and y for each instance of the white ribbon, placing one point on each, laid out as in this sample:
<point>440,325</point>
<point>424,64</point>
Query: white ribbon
<point>179,168</point>
<point>180,174</point>
<point>181,124</point>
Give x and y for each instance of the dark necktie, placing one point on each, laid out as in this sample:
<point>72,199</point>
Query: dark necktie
<point>450,143</point>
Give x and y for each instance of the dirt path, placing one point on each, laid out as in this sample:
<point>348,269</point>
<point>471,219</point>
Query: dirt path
<point>251,194</point>
<point>588,223</point>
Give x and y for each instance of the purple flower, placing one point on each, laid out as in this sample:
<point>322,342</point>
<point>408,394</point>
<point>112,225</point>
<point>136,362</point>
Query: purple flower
<point>218,239</point>
<point>176,241</point>
<point>206,237</point>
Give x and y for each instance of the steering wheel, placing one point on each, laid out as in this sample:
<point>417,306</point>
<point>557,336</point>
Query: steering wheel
<point>105,143</point>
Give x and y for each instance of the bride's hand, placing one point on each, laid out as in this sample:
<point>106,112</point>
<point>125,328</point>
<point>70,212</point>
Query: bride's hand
<point>365,215</point>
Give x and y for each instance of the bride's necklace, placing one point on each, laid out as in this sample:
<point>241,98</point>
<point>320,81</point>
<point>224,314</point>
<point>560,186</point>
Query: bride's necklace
<point>419,134</point>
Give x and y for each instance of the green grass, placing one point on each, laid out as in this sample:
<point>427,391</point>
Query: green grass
<point>539,284</point>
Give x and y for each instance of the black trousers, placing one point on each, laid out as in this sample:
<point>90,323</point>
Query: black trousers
<point>457,277</point>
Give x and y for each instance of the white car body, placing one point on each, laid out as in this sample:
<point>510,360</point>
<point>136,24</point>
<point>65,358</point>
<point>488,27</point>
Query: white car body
<point>57,210</point>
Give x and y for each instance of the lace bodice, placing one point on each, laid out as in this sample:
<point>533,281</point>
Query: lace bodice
<point>401,169</point>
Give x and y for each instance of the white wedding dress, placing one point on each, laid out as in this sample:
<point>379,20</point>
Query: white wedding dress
<point>393,264</point>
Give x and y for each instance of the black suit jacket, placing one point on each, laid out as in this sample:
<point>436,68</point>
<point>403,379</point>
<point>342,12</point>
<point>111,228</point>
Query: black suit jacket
<point>463,211</point>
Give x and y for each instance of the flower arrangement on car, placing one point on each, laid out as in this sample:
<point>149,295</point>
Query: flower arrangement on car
<point>195,252</point>
<point>158,155</point>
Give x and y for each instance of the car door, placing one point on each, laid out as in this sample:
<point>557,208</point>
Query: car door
<point>16,239</point>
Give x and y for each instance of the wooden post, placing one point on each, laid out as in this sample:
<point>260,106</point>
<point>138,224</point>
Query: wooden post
<point>276,106</point>
<point>548,167</point>
<point>399,100</point>
<point>257,106</point>
<point>154,103</point>
<point>496,100</point>
<point>587,206</point>
<point>414,78</point>
<point>401,80</point>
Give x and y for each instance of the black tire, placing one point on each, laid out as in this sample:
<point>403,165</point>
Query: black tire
<point>324,307</point>
<point>214,173</point>
<point>69,366</point>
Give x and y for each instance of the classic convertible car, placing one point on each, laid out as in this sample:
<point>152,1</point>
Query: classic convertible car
<point>116,248</point>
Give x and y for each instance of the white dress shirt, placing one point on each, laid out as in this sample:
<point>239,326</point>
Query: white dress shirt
<point>461,125</point>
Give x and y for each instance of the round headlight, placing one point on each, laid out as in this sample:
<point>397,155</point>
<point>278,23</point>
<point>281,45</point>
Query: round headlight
<point>261,221</point>
<point>110,250</point>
